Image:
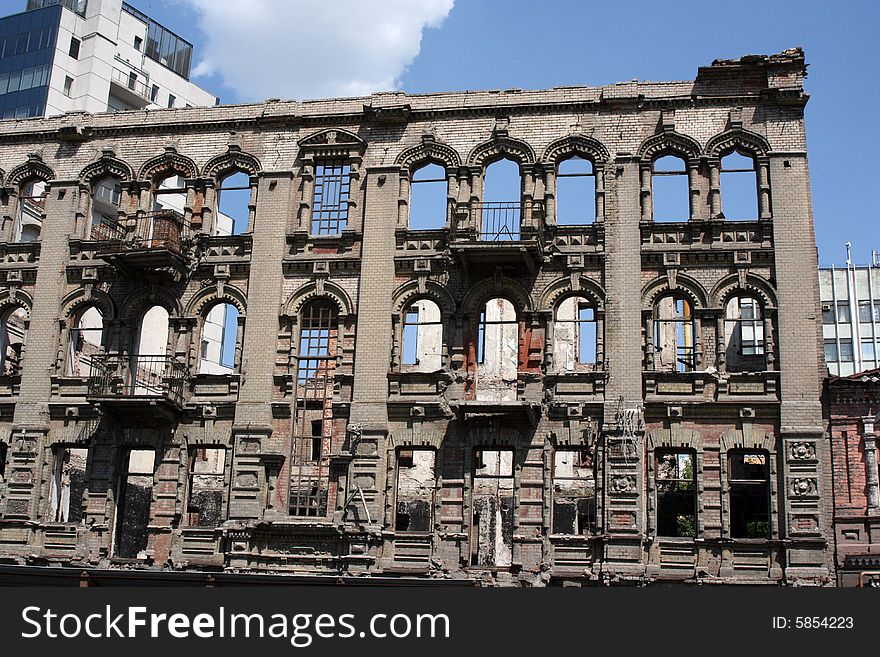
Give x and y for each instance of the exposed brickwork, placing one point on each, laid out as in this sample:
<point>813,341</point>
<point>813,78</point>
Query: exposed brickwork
<point>624,410</point>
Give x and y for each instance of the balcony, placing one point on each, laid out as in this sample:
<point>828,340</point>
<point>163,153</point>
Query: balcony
<point>505,233</point>
<point>127,87</point>
<point>138,388</point>
<point>150,241</point>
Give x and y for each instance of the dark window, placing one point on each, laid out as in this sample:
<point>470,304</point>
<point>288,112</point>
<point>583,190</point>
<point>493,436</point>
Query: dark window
<point>830,351</point>
<point>749,477</point>
<point>154,93</point>
<point>574,492</point>
<point>74,48</point>
<point>135,499</point>
<point>68,85</point>
<point>171,100</point>
<point>330,198</point>
<point>670,189</point>
<point>575,192</point>
<point>414,509</point>
<point>676,494</point>
<point>846,350</point>
<point>138,43</point>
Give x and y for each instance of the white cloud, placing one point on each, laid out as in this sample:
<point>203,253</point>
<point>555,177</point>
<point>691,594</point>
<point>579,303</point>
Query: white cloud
<point>301,49</point>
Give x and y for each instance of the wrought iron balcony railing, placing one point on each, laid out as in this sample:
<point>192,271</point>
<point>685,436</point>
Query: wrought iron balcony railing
<point>137,377</point>
<point>498,222</point>
<point>161,229</point>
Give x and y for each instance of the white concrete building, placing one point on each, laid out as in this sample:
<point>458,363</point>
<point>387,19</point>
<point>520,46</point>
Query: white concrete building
<point>850,299</point>
<point>92,55</point>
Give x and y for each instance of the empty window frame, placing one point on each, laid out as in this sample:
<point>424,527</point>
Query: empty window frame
<point>12,332</point>
<point>207,486</point>
<point>675,478</point>
<point>497,351</point>
<point>670,189</point>
<point>414,509</point>
<point>674,334</point>
<point>574,335</point>
<point>170,194</point>
<point>219,339</point>
<point>106,205</point>
<point>149,356</point>
<point>85,342</point>
<point>501,209</point>
<point>574,492</point>
<point>330,197</point>
<point>749,477</point>
<point>31,205</point>
<point>575,192</point>
<point>739,187</point>
<point>493,508</point>
<point>313,423</point>
<point>427,198</point>
<point>67,488</point>
<point>233,199</point>
<point>744,335</point>
<point>423,337</point>
<point>135,496</point>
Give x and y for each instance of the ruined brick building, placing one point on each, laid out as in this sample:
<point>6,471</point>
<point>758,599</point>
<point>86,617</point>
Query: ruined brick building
<point>422,373</point>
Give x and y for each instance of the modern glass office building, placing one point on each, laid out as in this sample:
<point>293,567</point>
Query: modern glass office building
<point>27,50</point>
<point>60,56</point>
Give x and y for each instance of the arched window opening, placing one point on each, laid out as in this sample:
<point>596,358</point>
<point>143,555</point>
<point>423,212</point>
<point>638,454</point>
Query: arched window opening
<point>218,340</point>
<point>744,335</point>
<point>501,209</point>
<point>313,421</point>
<point>497,351</point>
<point>423,337</point>
<point>170,194</point>
<point>85,342</point>
<point>670,190</point>
<point>106,203</point>
<point>749,477</point>
<point>427,198</point>
<point>676,494</point>
<point>233,200</point>
<point>31,205</point>
<point>12,341</point>
<point>150,353</point>
<point>575,192</point>
<point>739,187</point>
<point>674,334</point>
<point>574,492</point>
<point>330,197</point>
<point>574,335</point>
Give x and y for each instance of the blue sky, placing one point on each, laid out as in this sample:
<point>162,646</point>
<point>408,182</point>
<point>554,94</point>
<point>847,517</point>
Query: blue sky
<point>481,44</point>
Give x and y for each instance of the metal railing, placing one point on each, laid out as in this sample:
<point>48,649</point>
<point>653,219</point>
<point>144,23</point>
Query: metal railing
<point>130,82</point>
<point>161,229</point>
<point>159,376</point>
<point>499,221</point>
